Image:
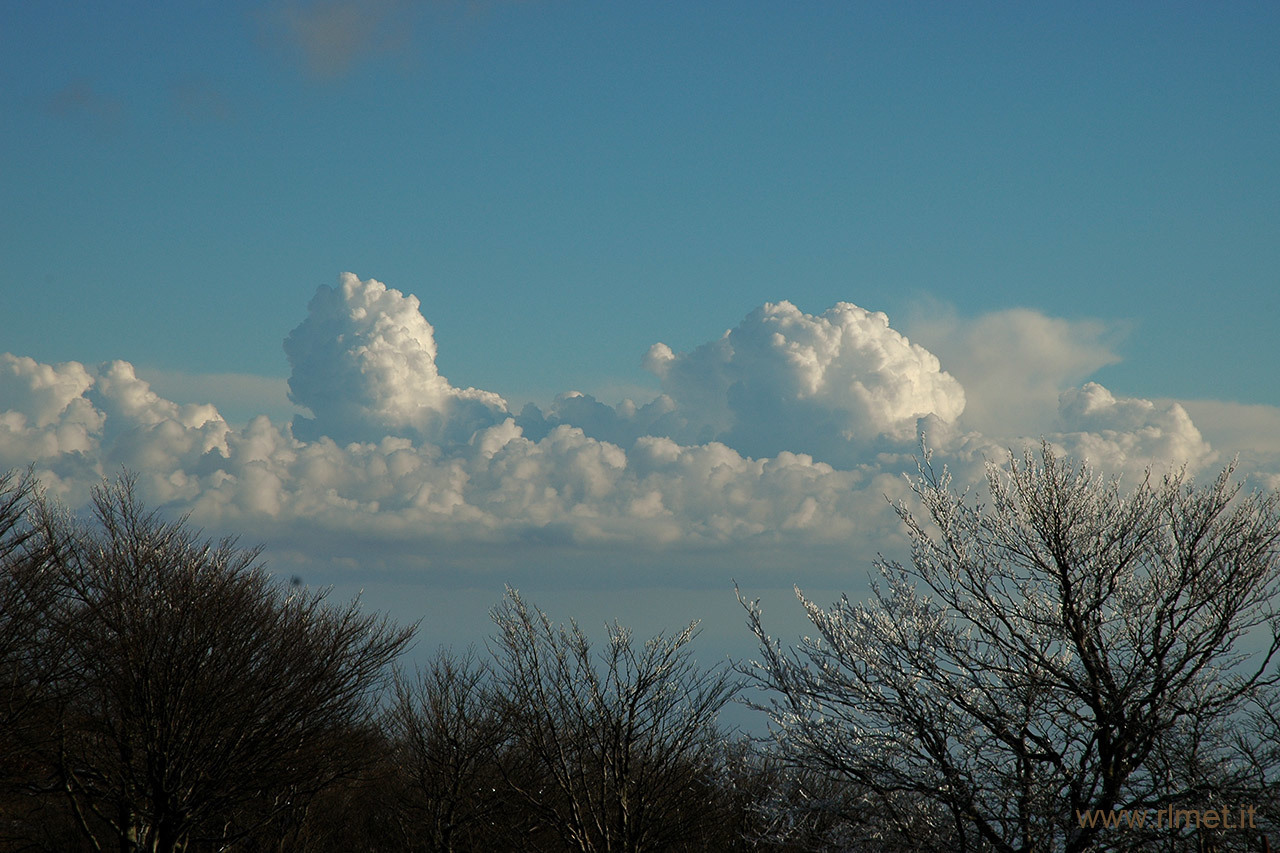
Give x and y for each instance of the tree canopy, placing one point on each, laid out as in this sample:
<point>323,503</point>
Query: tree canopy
<point>1046,655</point>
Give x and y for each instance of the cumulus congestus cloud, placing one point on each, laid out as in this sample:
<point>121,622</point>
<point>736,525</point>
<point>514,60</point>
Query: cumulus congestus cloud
<point>838,386</point>
<point>1128,433</point>
<point>833,385</point>
<point>788,431</point>
<point>364,363</point>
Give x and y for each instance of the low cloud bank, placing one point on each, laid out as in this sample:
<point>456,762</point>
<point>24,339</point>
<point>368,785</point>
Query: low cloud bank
<point>789,431</point>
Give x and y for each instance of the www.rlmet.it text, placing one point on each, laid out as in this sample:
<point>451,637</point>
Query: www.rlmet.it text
<point>1169,818</point>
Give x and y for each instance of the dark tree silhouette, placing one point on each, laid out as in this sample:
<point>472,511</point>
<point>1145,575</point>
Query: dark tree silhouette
<point>33,665</point>
<point>1057,652</point>
<point>202,699</point>
<point>619,754</point>
<point>447,736</point>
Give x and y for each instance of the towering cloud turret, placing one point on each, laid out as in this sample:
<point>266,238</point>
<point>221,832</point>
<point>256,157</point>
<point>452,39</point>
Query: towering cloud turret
<point>364,363</point>
<point>832,385</point>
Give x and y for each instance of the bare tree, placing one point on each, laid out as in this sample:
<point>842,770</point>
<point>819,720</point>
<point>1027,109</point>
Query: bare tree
<point>447,733</point>
<point>30,653</point>
<point>1256,750</point>
<point>23,596</point>
<point>1040,658</point>
<point>619,756</point>
<point>33,663</point>
<point>358,813</point>
<point>207,700</point>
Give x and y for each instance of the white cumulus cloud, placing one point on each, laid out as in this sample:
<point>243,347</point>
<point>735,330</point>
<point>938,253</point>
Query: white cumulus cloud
<point>79,424</point>
<point>831,385</point>
<point>364,363</point>
<point>1131,433</point>
<point>835,386</point>
<point>783,437</point>
<point>45,412</point>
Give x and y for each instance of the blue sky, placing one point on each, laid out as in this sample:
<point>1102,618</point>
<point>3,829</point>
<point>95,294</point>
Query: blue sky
<point>1043,196</point>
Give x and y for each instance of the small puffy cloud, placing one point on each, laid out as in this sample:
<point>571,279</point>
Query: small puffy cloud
<point>1128,433</point>
<point>332,36</point>
<point>364,363</point>
<point>1014,363</point>
<point>123,398</point>
<point>165,443</point>
<point>80,100</point>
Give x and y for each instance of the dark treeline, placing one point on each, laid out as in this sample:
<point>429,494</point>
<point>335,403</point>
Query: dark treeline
<point>1070,653</point>
<point>164,693</point>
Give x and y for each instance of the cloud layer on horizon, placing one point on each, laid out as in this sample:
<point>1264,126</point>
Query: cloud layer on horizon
<point>787,432</point>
